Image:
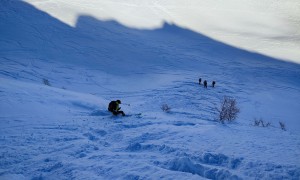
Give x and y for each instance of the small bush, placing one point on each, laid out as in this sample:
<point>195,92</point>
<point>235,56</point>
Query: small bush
<point>46,82</point>
<point>256,122</point>
<point>268,124</point>
<point>228,109</point>
<point>165,108</point>
<point>282,125</point>
<point>261,122</point>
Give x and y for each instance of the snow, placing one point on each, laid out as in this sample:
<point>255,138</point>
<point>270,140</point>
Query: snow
<point>266,26</point>
<point>92,53</point>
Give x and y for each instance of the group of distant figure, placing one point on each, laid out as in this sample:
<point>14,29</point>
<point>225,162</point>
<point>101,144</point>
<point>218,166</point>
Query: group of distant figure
<point>205,83</point>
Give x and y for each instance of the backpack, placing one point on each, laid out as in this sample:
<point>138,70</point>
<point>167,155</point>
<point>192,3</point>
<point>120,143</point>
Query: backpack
<point>112,106</point>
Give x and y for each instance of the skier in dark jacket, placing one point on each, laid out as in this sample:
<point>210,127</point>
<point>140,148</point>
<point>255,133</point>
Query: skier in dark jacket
<point>205,84</point>
<point>114,107</point>
<point>213,83</point>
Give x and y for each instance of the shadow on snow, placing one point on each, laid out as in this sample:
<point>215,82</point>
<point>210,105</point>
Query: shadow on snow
<point>113,48</point>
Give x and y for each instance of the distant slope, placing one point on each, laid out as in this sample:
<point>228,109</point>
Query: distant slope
<point>32,33</point>
<point>264,26</point>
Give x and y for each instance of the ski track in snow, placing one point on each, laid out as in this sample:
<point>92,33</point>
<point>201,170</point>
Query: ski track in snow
<point>94,141</point>
<point>69,148</point>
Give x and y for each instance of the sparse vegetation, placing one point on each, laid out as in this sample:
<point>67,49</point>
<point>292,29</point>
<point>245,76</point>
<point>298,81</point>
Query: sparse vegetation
<point>282,125</point>
<point>165,108</point>
<point>228,110</point>
<point>46,82</point>
<point>261,122</point>
<point>256,122</point>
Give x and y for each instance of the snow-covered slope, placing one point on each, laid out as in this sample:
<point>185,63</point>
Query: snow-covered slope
<point>64,131</point>
<point>265,26</point>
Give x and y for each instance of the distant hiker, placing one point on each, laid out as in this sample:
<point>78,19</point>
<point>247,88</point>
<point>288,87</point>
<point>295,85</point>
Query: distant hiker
<point>213,83</point>
<point>200,80</point>
<point>205,84</point>
<point>114,107</point>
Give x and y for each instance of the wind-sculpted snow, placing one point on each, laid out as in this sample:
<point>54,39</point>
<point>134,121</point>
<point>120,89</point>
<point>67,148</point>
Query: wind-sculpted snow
<point>186,165</point>
<point>57,80</point>
<point>100,146</point>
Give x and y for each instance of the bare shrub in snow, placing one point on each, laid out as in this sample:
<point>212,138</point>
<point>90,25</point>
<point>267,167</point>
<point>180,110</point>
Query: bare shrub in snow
<point>268,124</point>
<point>282,125</point>
<point>261,122</point>
<point>46,82</point>
<point>256,122</point>
<point>228,109</point>
<point>165,108</point>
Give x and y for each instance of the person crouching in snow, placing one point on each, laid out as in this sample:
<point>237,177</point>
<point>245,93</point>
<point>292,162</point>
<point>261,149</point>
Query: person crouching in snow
<point>114,107</point>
